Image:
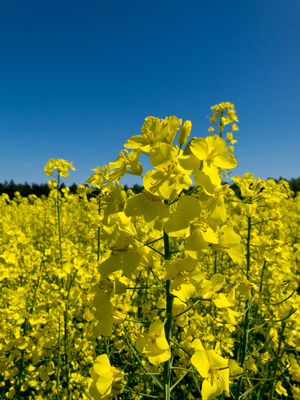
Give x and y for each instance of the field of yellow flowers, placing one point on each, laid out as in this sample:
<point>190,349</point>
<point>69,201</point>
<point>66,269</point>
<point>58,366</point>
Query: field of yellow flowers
<point>183,291</point>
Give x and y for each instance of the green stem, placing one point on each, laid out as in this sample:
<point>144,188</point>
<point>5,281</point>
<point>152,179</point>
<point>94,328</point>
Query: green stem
<point>65,313</point>
<point>261,277</point>
<point>168,325</point>
<point>62,282</point>
<point>58,219</point>
<point>150,247</point>
<point>215,262</point>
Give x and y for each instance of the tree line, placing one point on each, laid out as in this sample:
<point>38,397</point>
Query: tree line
<point>39,189</point>
<point>25,189</point>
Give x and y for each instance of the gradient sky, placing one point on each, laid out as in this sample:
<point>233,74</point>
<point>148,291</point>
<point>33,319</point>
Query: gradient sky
<point>77,78</point>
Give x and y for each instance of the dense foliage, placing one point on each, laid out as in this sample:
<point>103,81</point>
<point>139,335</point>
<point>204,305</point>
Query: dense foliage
<point>181,291</point>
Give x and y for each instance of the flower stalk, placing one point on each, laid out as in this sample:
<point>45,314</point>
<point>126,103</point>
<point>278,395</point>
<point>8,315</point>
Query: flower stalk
<point>168,325</point>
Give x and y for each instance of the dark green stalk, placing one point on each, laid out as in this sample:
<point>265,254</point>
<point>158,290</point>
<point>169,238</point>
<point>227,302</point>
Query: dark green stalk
<point>150,247</point>
<point>262,276</point>
<point>63,284</point>
<point>168,325</point>
<point>66,356</point>
<point>215,262</point>
<point>58,219</point>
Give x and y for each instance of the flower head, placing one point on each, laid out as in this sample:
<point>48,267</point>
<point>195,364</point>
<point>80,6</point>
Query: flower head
<point>214,369</point>
<point>61,165</point>
<point>154,343</point>
<point>105,378</point>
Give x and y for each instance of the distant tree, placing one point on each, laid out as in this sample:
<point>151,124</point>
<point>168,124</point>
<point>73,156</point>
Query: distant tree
<point>295,184</point>
<point>40,189</point>
<point>73,188</point>
<point>137,188</point>
<point>11,189</point>
<point>26,190</point>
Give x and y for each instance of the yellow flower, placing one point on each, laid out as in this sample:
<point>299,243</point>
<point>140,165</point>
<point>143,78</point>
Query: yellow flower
<point>188,222</point>
<point>45,371</point>
<point>104,377</point>
<point>172,171</point>
<point>154,131</point>
<point>154,343</point>
<point>230,243</point>
<point>213,151</point>
<point>150,207</point>
<point>126,163</point>
<point>125,259</point>
<point>214,369</point>
<point>120,231</point>
<point>213,285</point>
<point>98,178</point>
<point>186,278</point>
<point>296,392</point>
<point>225,303</point>
<point>280,389</point>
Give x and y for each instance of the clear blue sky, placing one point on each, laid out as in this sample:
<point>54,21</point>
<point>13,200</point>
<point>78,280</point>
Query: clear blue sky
<point>77,78</point>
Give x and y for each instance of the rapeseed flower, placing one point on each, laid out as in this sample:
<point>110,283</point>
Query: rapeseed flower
<point>154,344</point>
<point>215,371</point>
<point>172,171</point>
<point>190,222</point>
<point>105,377</point>
<point>62,166</point>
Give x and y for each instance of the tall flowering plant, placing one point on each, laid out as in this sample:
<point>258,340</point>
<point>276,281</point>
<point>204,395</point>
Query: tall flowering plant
<point>158,241</point>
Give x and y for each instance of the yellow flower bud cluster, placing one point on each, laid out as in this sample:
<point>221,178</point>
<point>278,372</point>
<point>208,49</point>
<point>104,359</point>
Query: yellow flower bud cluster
<point>62,167</point>
<point>224,114</point>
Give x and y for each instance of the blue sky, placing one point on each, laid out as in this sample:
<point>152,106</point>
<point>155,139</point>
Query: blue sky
<point>77,78</point>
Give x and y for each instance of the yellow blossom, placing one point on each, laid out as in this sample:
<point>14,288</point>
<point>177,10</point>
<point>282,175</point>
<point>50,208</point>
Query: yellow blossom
<point>154,344</point>
<point>105,377</point>
<point>214,369</point>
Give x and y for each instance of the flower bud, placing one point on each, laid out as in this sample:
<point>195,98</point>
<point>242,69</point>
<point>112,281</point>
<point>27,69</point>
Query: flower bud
<point>118,317</point>
<point>184,132</point>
